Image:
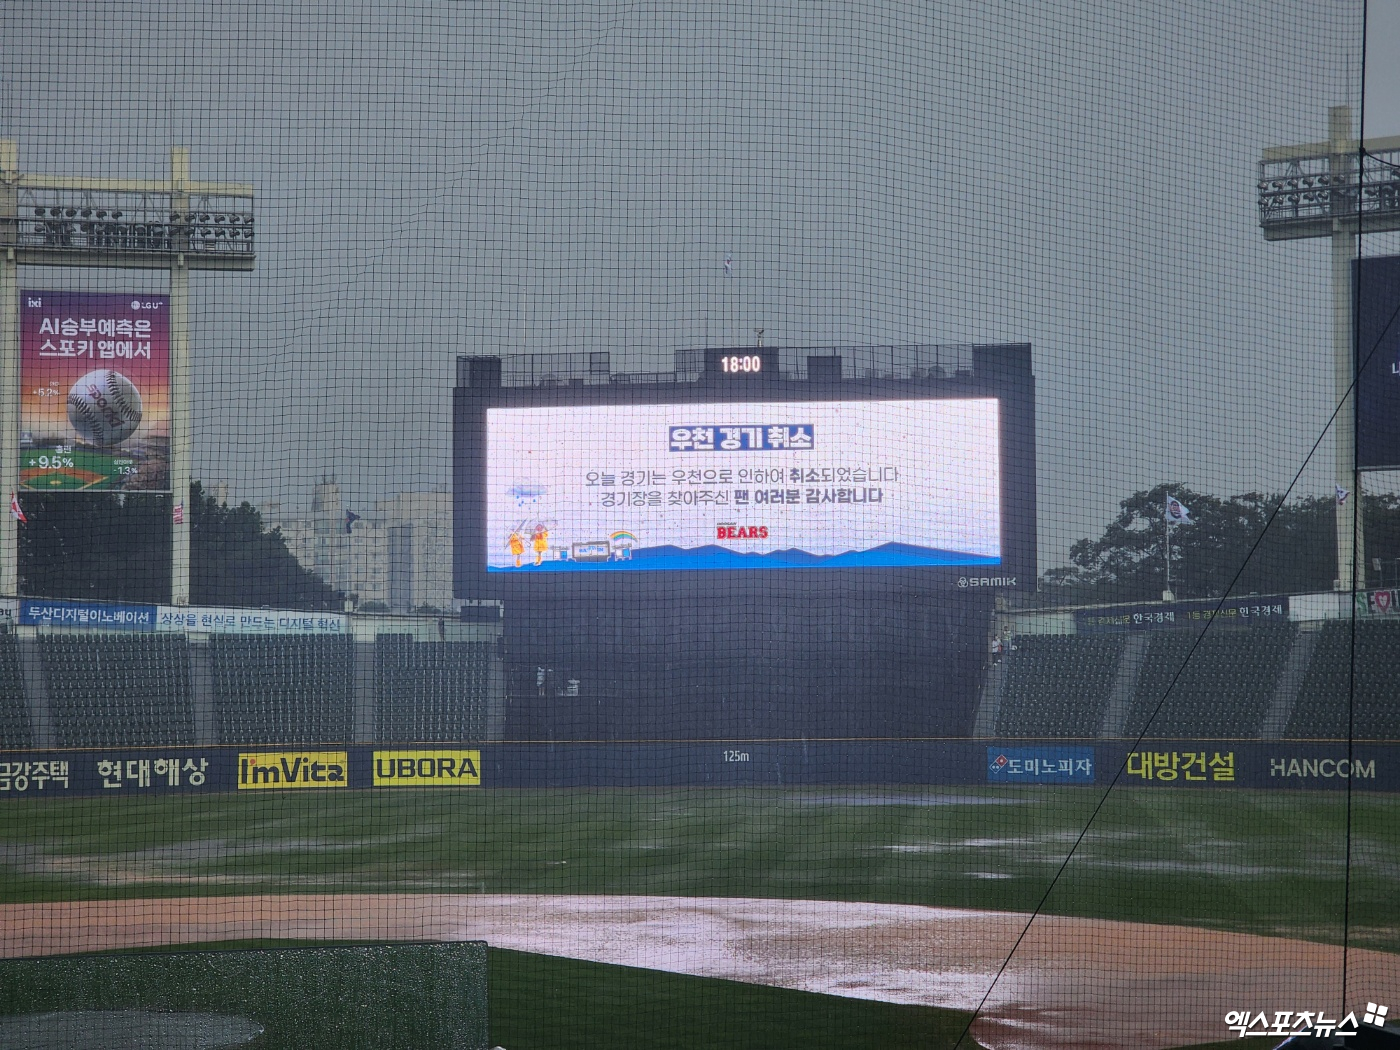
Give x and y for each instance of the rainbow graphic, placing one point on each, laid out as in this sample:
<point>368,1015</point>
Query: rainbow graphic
<point>622,539</point>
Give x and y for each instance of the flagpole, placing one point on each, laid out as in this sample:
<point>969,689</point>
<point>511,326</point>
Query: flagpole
<point>1167,593</point>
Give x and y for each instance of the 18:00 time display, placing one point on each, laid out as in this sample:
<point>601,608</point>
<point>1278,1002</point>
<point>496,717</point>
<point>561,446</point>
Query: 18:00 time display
<point>734,364</point>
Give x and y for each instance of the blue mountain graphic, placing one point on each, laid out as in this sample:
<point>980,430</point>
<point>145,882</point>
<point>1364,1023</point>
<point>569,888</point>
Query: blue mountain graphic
<point>711,556</point>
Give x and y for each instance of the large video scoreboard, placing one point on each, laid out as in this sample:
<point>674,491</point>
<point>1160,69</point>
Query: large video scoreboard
<point>766,551</point>
<point>744,471</point>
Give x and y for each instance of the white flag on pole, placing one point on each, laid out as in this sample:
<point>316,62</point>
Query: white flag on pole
<point>1177,512</point>
<point>1342,495</point>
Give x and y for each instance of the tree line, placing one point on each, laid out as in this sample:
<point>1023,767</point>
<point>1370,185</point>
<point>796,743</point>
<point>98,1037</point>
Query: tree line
<point>116,547</point>
<point>1250,543</point>
<point>110,546</point>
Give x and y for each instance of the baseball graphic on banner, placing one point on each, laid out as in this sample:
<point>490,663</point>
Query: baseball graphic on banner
<point>104,407</point>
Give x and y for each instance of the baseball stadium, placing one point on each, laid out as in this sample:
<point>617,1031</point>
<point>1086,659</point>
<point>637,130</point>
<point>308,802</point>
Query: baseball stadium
<point>699,526</point>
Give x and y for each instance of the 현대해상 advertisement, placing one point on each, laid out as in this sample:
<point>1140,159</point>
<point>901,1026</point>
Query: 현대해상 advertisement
<point>743,485</point>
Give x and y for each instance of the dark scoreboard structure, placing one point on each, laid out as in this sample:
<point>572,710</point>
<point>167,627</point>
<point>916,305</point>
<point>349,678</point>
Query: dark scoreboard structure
<point>765,542</point>
<point>1377,296</point>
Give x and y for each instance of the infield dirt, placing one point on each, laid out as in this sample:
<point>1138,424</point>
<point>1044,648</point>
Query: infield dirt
<point>1084,983</point>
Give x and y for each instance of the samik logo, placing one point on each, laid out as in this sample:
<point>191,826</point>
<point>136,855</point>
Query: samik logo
<point>264,770</point>
<point>731,531</point>
<point>427,768</point>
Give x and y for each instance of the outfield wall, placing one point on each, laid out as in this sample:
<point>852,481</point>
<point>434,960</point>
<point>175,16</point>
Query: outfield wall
<point>1208,765</point>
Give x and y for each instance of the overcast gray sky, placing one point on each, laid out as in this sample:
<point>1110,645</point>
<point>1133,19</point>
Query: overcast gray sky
<point>1382,70</point>
<point>437,177</point>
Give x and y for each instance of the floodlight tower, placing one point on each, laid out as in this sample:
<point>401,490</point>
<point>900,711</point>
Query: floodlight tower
<point>1335,189</point>
<point>173,224</point>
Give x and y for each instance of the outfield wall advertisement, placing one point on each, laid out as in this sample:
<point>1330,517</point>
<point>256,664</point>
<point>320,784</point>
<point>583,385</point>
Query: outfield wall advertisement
<point>1201,765</point>
<point>94,392</point>
<point>1250,611</point>
<point>782,484</point>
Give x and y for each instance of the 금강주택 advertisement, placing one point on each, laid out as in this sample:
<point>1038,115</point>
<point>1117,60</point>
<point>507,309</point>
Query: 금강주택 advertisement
<point>782,484</point>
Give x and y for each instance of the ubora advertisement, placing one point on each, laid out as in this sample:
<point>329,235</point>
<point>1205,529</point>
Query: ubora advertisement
<point>427,768</point>
<point>744,485</point>
<point>94,391</point>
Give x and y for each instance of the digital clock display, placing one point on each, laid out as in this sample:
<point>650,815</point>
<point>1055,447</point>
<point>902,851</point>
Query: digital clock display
<point>742,363</point>
<point>745,364</point>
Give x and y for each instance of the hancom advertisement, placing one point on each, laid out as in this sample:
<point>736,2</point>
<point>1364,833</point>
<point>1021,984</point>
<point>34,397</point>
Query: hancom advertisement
<point>746,485</point>
<point>1378,362</point>
<point>94,392</point>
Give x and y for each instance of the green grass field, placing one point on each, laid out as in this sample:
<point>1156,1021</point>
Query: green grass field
<point>593,1005</point>
<point>1259,862</point>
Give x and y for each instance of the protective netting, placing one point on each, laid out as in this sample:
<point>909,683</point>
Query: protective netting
<point>862,524</point>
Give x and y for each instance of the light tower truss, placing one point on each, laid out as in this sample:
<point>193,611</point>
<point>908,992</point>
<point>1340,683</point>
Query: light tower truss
<point>1305,189</point>
<point>176,224</point>
<point>1338,189</point>
<point>80,222</point>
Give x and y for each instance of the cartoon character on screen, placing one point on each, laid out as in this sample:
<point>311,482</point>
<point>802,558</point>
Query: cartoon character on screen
<point>540,541</point>
<point>516,543</point>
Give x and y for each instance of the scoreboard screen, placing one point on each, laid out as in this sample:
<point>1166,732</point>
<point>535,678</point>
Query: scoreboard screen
<point>743,485</point>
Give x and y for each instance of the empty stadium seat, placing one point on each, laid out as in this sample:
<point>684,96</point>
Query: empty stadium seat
<point>15,727</point>
<point>1058,685</point>
<point>1213,684</point>
<point>430,691</point>
<point>1328,706</point>
<point>282,689</point>
<point>118,690</point>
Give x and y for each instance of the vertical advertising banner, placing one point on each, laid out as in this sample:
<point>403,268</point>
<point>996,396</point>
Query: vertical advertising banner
<point>94,403</point>
<point>1378,362</point>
